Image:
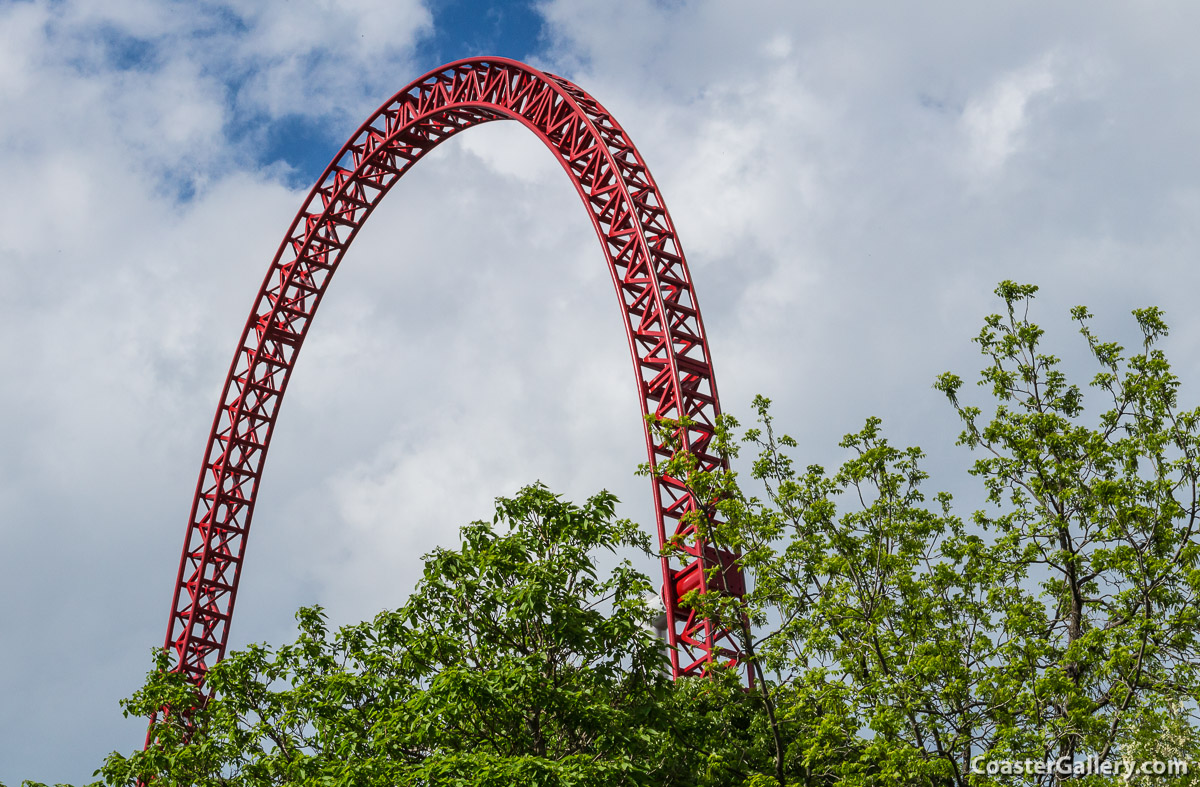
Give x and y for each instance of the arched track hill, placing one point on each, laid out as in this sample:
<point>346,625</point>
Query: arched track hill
<point>672,364</point>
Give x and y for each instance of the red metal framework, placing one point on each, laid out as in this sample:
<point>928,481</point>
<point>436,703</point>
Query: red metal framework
<point>662,321</point>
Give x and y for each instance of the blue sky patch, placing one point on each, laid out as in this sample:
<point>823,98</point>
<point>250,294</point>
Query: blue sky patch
<point>468,28</point>
<point>305,144</point>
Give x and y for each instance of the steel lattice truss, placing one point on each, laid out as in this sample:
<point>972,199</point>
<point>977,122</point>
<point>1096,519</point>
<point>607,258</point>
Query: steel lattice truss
<point>662,321</point>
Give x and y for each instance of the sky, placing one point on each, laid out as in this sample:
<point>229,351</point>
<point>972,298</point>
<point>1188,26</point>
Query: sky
<point>849,182</point>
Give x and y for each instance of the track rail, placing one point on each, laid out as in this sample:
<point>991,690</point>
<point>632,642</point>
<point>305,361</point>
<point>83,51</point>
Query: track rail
<point>672,364</point>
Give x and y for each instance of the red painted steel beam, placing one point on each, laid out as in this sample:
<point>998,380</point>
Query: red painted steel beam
<point>672,364</point>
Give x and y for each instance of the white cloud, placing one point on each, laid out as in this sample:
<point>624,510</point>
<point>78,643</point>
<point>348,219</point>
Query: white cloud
<point>19,24</point>
<point>996,122</point>
<point>321,58</point>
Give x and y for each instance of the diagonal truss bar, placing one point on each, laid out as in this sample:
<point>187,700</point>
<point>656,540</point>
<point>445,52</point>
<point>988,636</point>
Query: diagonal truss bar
<point>672,365</point>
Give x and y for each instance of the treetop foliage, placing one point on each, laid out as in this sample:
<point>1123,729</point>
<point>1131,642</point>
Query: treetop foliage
<point>894,640</point>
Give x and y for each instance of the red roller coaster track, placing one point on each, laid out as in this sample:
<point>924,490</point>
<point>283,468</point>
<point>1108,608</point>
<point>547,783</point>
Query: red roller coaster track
<point>671,359</point>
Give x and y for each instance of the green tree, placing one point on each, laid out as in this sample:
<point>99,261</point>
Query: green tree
<point>1095,529</point>
<point>864,629</point>
<point>892,642</point>
<point>512,663</point>
<point>1051,627</point>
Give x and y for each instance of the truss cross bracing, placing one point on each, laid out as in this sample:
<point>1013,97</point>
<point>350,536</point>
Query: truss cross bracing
<point>672,364</point>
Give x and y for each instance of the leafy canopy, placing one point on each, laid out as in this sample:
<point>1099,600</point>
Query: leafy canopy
<point>893,640</point>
